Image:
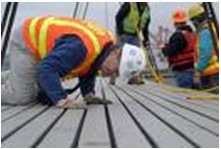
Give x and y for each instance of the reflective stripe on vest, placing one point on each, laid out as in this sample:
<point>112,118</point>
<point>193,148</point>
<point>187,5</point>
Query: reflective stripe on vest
<point>185,56</point>
<point>42,43</point>
<point>213,65</point>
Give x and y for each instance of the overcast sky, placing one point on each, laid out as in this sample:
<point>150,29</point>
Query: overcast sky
<point>160,11</point>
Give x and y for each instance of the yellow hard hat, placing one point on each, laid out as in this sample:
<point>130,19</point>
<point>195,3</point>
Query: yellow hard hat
<point>195,11</point>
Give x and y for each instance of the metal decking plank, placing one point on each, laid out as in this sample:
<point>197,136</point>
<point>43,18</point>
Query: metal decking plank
<point>126,133</point>
<point>192,132</point>
<point>95,131</point>
<point>14,111</point>
<point>212,104</point>
<point>158,131</point>
<point>182,103</point>
<point>27,136</point>
<point>19,121</point>
<point>64,131</point>
<point>209,125</point>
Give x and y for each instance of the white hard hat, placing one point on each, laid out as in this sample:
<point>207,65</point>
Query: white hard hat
<point>132,61</point>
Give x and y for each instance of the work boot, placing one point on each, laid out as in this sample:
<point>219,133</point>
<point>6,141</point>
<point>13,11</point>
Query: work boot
<point>91,99</point>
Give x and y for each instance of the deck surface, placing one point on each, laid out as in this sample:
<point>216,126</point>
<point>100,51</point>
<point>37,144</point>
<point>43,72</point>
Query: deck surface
<point>140,116</point>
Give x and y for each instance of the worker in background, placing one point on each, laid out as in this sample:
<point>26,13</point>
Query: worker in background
<point>131,20</point>
<point>180,50</point>
<point>46,49</point>
<point>206,60</point>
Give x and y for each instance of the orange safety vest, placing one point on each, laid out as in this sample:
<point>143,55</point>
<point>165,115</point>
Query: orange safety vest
<point>213,65</point>
<point>40,34</point>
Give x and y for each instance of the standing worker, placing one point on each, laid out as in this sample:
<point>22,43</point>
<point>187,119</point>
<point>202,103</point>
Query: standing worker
<point>46,49</point>
<point>180,50</point>
<point>206,59</point>
<point>131,19</point>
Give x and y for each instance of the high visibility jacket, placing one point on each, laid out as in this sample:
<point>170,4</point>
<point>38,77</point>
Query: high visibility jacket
<point>131,22</point>
<point>40,34</point>
<point>185,58</point>
<point>213,65</point>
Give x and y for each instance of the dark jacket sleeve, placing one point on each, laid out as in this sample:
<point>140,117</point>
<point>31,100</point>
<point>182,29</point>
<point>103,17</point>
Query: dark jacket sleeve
<point>67,54</point>
<point>121,14</point>
<point>176,44</point>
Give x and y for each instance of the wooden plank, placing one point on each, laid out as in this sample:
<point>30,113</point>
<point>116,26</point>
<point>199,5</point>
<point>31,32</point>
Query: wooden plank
<point>195,134</point>
<point>63,133</point>
<point>19,120</point>
<point>204,123</point>
<point>95,132</point>
<point>29,134</point>
<point>126,132</point>
<point>14,111</point>
<point>161,134</point>
<point>182,102</point>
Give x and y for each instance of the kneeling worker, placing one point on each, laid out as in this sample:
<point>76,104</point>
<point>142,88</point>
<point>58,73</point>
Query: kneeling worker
<point>46,49</point>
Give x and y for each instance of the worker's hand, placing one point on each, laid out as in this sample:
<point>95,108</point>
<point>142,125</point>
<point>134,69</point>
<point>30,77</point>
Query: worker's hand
<point>196,77</point>
<point>70,103</point>
<point>92,99</point>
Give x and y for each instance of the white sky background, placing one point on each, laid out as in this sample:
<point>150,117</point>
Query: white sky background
<point>160,12</point>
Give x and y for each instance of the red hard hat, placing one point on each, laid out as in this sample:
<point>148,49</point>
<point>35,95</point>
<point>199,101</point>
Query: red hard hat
<point>179,16</point>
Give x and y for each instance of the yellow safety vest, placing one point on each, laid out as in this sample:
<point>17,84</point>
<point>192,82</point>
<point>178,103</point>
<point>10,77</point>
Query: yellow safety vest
<point>131,22</point>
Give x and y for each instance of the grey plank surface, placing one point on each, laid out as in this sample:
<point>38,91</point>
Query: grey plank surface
<point>126,132</point>
<point>200,121</point>
<point>4,107</point>
<point>95,132</point>
<point>20,120</point>
<point>30,133</point>
<point>180,101</point>
<point>141,116</point>
<point>13,111</point>
<point>63,133</point>
<point>195,134</point>
<point>205,103</point>
<point>161,134</point>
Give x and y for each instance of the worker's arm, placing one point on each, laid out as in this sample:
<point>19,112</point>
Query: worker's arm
<point>67,54</point>
<point>121,14</point>
<point>176,44</point>
<point>205,49</point>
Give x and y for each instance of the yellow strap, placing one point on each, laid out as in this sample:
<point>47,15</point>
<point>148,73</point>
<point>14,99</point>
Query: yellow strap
<point>32,30</point>
<point>208,97</point>
<point>54,21</point>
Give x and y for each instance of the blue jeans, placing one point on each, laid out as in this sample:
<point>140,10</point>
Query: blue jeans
<point>184,78</point>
